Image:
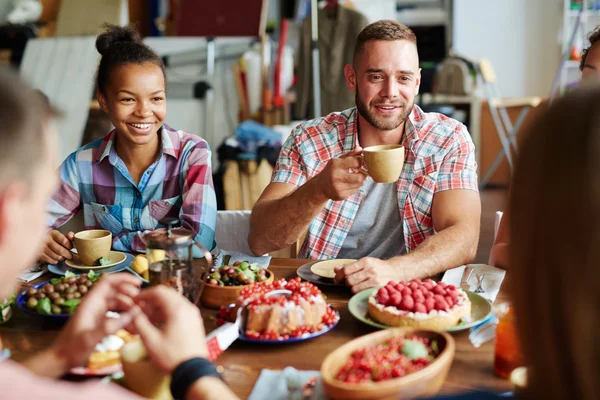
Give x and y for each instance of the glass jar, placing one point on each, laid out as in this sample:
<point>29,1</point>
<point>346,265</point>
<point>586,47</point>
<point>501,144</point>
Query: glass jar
<point>170,260</point>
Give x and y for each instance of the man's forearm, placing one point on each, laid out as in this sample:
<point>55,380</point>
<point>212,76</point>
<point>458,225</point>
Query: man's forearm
<point>278,223</point>
<point>451,247</point>
<point>47,363</point>
<point>210,388</point>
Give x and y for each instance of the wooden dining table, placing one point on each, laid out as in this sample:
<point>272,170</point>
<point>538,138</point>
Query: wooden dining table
<point>242,363</point>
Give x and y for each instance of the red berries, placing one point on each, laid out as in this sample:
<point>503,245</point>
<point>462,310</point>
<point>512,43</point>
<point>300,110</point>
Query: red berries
<point>418,296</point>
<point>382,362</point>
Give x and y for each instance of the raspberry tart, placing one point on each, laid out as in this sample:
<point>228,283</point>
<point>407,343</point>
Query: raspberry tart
<point>420,304</point>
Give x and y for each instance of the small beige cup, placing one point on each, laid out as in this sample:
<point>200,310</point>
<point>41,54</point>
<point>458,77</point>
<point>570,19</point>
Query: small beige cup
<point>141,376</point>
<point>92,244</point>
<point>384,163</point>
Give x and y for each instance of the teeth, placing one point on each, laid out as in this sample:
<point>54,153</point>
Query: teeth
<point>141,126</point>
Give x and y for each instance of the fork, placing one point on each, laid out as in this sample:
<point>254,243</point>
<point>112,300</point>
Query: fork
<point>480,278</point>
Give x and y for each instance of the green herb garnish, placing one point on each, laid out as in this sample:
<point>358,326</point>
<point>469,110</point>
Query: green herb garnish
<point>104,261</point>
<point>414,350</point>
<point>43,306</point>
<point>54,281</point>
<point>69,274</point>
<point>434,347</point>
<point>92,276</point>
<point>71,305</point>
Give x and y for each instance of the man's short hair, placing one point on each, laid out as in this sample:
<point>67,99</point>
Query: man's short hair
<point>593,38</point>
<point>383,30</point>
<point>23,116</point>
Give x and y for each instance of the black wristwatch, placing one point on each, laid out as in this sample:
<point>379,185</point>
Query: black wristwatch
<point>189,372</point>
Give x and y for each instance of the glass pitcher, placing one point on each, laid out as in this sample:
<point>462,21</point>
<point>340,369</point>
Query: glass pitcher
<point>170,260</point>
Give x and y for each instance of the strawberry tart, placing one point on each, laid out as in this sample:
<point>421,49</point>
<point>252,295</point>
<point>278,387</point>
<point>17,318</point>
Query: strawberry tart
<point>281,317</point>
<point>420,304</point>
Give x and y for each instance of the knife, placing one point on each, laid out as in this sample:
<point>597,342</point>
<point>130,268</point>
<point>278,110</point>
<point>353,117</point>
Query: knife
<point>464,281</point>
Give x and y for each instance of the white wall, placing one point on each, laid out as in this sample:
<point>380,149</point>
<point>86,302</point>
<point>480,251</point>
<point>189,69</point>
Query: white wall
<point>519,37</point>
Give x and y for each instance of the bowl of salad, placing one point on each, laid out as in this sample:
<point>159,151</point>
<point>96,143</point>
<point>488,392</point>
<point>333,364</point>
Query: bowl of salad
<point>225,283</point>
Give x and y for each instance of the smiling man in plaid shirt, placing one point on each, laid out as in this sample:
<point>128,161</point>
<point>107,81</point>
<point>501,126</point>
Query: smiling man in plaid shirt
<point>421,225</point>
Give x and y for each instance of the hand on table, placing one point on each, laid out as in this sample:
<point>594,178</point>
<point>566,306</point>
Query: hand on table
<point>341,177</point>
<point>170,326</point>
<point>365,273</point>
<point>56,247</point>
<point>89,325</point>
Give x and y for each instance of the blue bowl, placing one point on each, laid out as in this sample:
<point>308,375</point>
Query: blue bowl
<point>22,304</point>
<point>245,338</point>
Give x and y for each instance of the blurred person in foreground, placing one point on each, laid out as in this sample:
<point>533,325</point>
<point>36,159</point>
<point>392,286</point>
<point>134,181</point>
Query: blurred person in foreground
<point>27,179</point>
<point>554,277</point>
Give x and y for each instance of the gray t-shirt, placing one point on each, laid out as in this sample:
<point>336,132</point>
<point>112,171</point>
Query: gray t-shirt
<point>377,228</point>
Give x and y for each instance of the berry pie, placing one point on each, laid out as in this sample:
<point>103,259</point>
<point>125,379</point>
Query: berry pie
<point>420,304</point>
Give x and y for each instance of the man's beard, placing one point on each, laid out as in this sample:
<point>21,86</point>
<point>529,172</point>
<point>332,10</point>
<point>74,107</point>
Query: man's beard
<point>382,124</point>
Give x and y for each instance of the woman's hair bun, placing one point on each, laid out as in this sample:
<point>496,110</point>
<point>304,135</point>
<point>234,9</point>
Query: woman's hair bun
<point>114,34</point>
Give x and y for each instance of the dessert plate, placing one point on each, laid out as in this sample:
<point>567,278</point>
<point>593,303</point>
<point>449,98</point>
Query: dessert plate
<point>359,308</point>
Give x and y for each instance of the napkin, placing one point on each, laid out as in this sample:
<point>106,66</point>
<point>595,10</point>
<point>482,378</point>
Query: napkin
<point>220,258</point>
<point>33,273</point>
<point>273,385</point>
<point>491,283</point>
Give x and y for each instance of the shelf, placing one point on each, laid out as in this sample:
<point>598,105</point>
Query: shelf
<point>588,13</point>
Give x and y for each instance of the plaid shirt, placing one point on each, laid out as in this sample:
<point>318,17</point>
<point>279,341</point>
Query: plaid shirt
<point>439,155</point>
<point>178,184</point>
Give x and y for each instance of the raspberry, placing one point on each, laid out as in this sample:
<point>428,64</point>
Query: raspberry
<point>429,284</point>
<point>449,301</point>
<point>399,286</point>
<point>414,286</point>
<point>406,292</point>
<point>382,291</point>
<point>429,295</point>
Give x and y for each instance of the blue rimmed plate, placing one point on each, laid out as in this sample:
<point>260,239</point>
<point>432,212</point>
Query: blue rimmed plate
<point>323,331</point>
<point>61,268</point>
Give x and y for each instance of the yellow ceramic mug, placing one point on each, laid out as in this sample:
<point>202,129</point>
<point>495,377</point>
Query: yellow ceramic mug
<point>384,163</point>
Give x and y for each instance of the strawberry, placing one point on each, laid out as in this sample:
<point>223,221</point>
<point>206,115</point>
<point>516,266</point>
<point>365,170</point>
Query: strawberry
<point>440,304</point>
<point>383,299</point>
<point>418,281</point>
<point>407,303</point>
<point>429,284</point>
<point>439,290</point>
<point>420,307</point>
<point>382,291</point>
<point>429,295</point>
<point>454,295</point>
<point>391,290</point>
<point>395,300</point>
<point>417,294</point>
<point>450,288</point>
<point>438,297</point>
<point>414,285</point>
<point>406,292</point>
<point>450,301</point>
<point>399,286</point>
<point>430,304</point>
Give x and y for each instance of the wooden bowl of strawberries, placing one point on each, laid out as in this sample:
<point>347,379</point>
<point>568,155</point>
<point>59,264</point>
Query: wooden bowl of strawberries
<point>389,364</point>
